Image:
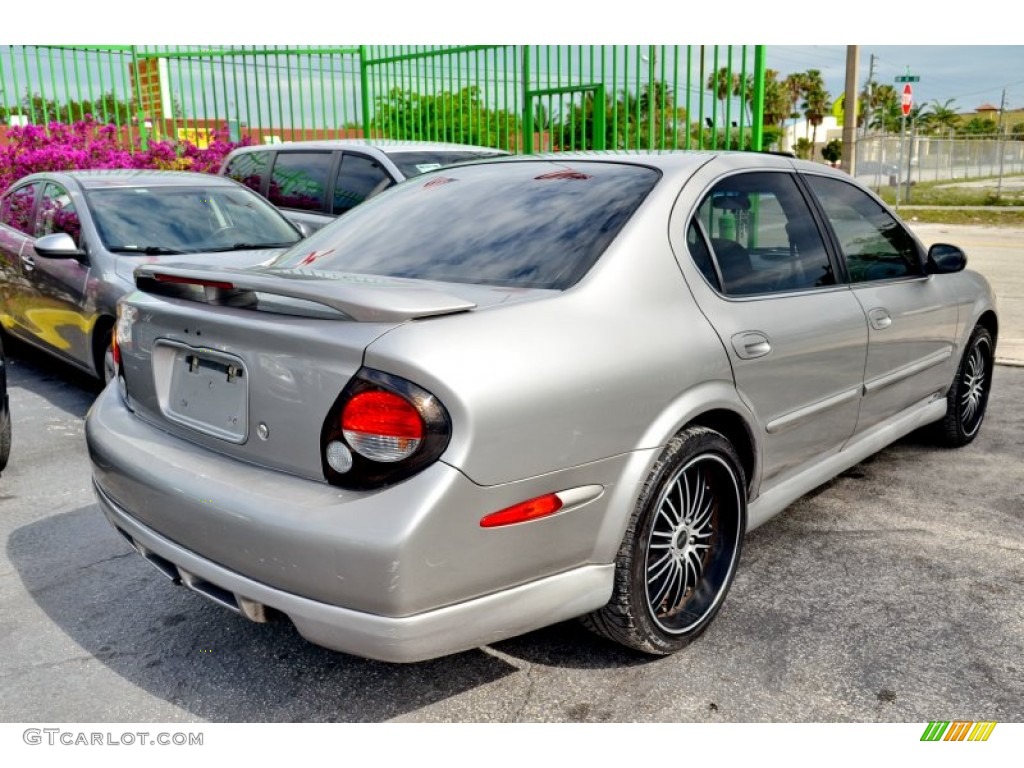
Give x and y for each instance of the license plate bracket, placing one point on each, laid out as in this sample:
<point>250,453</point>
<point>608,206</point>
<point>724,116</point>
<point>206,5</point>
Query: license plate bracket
<point>205,390</point>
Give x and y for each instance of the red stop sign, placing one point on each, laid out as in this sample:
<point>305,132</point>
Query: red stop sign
<point>908,99</point>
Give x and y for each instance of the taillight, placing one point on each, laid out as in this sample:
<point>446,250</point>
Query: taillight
<point>381,430</point>
<point>382,426</point>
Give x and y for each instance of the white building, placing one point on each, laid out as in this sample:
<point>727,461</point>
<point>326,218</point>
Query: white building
<point>802,129</point>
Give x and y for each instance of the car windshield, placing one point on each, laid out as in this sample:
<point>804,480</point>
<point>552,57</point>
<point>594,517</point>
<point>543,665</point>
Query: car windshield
<point>414,163</point>
<point>529,224</point>
<point>186,219</point>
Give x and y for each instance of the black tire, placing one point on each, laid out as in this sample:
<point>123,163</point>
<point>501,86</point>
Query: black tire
<point>967,399</point>
<point>5,438</point>
<point>681,548</point>
<point>103,354</point>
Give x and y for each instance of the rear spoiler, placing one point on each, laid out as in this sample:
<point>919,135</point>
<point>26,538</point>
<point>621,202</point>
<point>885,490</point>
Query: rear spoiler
<point>365,298</point>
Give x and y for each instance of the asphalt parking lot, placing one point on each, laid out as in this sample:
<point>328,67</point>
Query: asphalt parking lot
<point>892,594</point>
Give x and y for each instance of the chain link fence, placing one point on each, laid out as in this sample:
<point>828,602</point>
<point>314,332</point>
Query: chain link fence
<point>888,160</point>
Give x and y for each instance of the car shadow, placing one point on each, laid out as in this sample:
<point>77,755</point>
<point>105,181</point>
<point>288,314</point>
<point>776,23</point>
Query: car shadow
<point>220,667</point>
<point>64,386</point>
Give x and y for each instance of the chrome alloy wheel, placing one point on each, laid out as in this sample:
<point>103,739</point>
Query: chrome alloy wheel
<point>975,386</point>
<point>693,543</point>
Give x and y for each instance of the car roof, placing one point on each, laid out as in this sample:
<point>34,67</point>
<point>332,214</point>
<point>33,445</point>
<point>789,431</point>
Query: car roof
<point>133,177</point>
<point>389,146</point>
<point>674,160</point>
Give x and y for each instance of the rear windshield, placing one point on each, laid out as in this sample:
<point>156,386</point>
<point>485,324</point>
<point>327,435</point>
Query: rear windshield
<point>529,224</point>
<point>414,163</point>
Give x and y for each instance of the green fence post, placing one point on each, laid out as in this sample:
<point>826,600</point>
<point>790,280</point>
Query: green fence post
<point>757,129</point>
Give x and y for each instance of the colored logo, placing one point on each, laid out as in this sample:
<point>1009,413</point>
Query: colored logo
<point>958,730</point>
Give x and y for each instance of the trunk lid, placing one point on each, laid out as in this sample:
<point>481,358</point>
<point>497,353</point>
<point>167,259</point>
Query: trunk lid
<point>249,364</point>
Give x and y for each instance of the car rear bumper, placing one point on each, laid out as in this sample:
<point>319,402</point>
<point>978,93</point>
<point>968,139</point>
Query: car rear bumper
<point>424,636</point>
<point>402,574</point>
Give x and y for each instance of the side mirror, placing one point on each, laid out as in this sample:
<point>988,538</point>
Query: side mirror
<point>304,229</point>
<point>944,259</point>
<point>59,245</point>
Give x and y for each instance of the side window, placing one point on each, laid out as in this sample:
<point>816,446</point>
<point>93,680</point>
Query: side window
<point>248,168</point>
<point>761,235</point>
<point>17,208</point>
<point>57,214</point>
<point>359,178</point>
<point>299,180</point>
<point>874,243</point>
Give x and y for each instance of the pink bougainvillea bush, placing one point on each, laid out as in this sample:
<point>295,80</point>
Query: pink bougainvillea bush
<point>88,144</point>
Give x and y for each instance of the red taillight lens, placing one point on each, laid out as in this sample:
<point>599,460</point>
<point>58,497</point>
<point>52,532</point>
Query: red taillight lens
<point>382,426</point>
<point>542,506</point>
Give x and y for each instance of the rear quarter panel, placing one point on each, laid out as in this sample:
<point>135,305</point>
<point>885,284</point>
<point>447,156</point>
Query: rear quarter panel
<point>556,382</point>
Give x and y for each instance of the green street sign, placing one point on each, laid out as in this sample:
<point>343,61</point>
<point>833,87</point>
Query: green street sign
<point>908,79</point>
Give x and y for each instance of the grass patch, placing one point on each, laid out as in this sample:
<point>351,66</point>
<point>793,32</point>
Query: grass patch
<point>948,202</point>
<point>952,193</point>
<point>990,217</point>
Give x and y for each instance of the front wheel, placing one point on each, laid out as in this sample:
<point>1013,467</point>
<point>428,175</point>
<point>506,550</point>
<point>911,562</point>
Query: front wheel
<point>681,548</point>
<point>967,399</point>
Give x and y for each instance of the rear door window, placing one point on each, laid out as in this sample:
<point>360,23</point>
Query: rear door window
<point>299,180</point>
<point>359,177</point>
<point>762,237</point>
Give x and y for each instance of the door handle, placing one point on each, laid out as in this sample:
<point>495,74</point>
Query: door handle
<point>879,318</point>
<point>751,344</point>
<point>28,262</point>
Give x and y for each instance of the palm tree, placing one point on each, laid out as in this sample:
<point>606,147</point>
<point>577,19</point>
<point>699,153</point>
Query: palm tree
<point>721,84</point>
<point>944,118</point>
<point>793,87</point>
<point>776,100</point>
<point>883,105</point>
<point>743,89</point>
<point>817,101</point>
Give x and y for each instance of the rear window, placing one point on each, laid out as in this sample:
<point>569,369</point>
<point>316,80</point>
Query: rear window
<point>529,224</point>
<point>414,163</point>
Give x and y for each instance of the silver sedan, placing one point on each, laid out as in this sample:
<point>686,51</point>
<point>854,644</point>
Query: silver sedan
<point>69,241</point>
<point>526,390</point>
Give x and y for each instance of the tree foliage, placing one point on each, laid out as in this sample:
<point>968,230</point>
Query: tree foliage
<point>833,151</point>
<point>462,117</point>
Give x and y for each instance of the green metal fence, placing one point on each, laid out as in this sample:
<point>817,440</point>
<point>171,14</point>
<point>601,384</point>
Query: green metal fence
<point>521,98</point>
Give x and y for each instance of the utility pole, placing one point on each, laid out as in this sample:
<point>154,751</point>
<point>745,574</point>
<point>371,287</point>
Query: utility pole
<point>849,156</point>
<point>871,92</point>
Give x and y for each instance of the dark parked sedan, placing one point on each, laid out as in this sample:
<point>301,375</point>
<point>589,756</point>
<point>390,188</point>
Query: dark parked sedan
<point>516,391</point>
<point>69,242</point>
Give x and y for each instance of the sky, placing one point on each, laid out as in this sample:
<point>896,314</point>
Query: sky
<point>969,58</point>
<point>967,75</point>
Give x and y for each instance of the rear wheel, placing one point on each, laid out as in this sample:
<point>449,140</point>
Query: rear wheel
<point>681,548</point>
<point>103,354</point>
<point>967,399</point>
